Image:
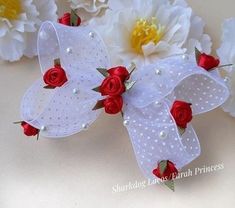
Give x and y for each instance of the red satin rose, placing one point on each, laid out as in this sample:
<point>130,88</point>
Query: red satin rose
<point>208,62</point>
<point>182,113</point>
<point>170,172</point>
<point>112,85</point>
<point>55,77</point>
<point>29,130</point>
<point>65,20</point>
<point>113,105</point>
<point>120,71</point>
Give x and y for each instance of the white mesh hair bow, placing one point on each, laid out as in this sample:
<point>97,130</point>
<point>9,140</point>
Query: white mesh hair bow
<point>153,131</point>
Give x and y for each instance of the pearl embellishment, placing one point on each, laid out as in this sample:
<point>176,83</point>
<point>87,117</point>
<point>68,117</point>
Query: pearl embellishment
<point>226,79</point>
<point>158,72</point>
<point>75,91</point>
<point>126,122</point>
<point>163,135</point>
<point>158,104</point>
<point>185,57</point>
<point>69,50</point>
<point>92,35</point>
<point>85,126</point>
<point>43,128</point>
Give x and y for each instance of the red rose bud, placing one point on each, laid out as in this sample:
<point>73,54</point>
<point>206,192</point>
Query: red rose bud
<point>170,172</point>
<point>55,77</point>
<point>120,71</point>
<point>208,62</point>
<point>113,105</point>
<point>182,113</point>
<point>112,85</point>
<point>29,130</point>
<point>65,20</point>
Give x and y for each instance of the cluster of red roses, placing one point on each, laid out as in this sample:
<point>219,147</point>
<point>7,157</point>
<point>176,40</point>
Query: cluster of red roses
<point>113,87</point>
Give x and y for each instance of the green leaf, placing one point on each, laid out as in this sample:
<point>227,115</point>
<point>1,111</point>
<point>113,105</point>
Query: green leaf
<point>17,122</point>
<point>103,71</point>
<point>129,84</point>
<point>132,68</point>
<point>57,62</point>
<point>181,130</point>
<point>197,55</point>
<point>38,136</point>
<point>222,66</point>
<point>162,166</point>
<point>122,113</point>
<point>226,65</point>
<point>49,87</point>
<point>96,89</point>
<point>170,184</point>
<point>99,105</point>
<point>74,18</point>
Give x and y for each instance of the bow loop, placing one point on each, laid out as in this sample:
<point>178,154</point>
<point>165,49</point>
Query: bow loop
<point>66,110</point>
<point>69,108</point>
<point>180,79</point>
<point>80,50</point>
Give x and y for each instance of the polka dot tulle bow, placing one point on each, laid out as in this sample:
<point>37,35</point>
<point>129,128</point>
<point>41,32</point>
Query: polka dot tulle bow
<point>146,106</point>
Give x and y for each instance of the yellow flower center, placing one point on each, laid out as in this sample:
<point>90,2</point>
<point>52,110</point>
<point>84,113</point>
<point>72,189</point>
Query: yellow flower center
<point>10,9</point>
<point>144,32</point>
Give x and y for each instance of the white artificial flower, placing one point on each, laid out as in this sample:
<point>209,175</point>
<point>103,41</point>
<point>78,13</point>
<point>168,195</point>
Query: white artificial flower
<point>144,31</point>
<point>89,8</point>
<point>226,52</point>
<point>19,23</point>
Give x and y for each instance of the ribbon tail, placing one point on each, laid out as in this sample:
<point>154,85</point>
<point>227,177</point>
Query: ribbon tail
<point>155,137</point>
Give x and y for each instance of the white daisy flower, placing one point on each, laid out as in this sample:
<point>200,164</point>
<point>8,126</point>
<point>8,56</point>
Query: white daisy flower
<point>144,31</point>
<point>226,52</point>
<point>19,22</point>
<point>89,8</point>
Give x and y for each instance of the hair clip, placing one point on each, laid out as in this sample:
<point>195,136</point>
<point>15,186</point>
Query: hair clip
<point>157,101</point>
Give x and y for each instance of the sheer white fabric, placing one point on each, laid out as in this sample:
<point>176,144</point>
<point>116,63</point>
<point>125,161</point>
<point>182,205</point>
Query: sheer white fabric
<point>154,134</point>
<point>148,106</point>
<point>66,110</point>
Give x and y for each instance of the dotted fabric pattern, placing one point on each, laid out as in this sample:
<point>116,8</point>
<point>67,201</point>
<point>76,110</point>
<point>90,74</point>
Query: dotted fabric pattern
<point>145,127</point>
<point>180,79</point>
<point>153,132</point>
<point>68,109</point>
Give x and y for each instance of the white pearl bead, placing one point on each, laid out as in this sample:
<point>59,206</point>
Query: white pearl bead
<point>43,35</point>
<point>69,50</point>
<point>185,57</point>
<point>158,104</point>
<point>43,128</point>
<point>75,91</point>
<point>226,79</point>
<point>158,72</point>
<point>126,122</point>
<point>85,126</point>
<point>163,135</point>
<point>92,34</point>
